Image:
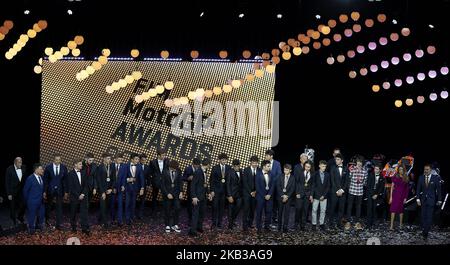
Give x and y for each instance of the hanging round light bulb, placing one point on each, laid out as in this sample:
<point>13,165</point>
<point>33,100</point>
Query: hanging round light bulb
<point>134,53</point>
<point>236,83</point>
<point>159,89</point>
<point>38,69</point>
<point>169,85</point>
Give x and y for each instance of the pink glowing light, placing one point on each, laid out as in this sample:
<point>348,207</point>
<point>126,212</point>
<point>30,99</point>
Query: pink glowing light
<point>431,49</point>
<point>398,82</point>
<point>394,36</point>
<point>348,33</point>
<point>363,71</point>
<point>407,57</point>
<point>384,64</point>
<point>410,80</point>
<point>444,94</point>
<point>419,53</point>
<point>360,49</point>
<point>420,99</point>
<point>444,70</point>
<point>420,76</point>
<point>351,54</point>
<point>372,46</point>
<point>395,60</point>
<point>386,85</point>
<point>383,41</point>
<point>432,74</point>
<point>373,68</point>
<point>433,96</point>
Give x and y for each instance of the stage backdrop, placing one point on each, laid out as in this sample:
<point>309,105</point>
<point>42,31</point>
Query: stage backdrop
<point>79,117</point>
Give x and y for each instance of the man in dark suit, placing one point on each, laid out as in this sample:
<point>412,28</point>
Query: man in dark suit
<point>375,194</point>
<point>89,167</point>
<point>286,194</point>
<point>265,187</point>
<point>105,176</point>
<point>157,167</point>
<point>218,188</point>
<point>171,192</point>
<point>319,191</point>
<point>249,192</point>
<point>428,196</point>
<point>188,175</point>
<point>303,192</point>
<point>78,184</point>
<point>234,192</point>
<point>131,177</point>
<point>332,162</point>
<point>118,193</point>
<point>339,177</point>
<point>34,194</point>
<point>299,166</point>
<point>15,177</point>
<point>147,178</point>
<point>275,171</point>
<point>55,185</point>
<point>199,193</point>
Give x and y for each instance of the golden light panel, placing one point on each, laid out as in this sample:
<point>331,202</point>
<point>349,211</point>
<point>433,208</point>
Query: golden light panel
<point>23,38</point>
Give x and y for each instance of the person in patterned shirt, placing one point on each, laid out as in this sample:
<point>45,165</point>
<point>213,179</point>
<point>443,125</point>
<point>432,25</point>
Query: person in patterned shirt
<point>356,183</point>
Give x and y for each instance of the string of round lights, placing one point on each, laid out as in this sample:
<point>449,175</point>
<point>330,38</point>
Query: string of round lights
<point>123,82</point>
<point>24,38</point>
<point>95,66</point>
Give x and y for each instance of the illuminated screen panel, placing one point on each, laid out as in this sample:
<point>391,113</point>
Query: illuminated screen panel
<point>79,116</point>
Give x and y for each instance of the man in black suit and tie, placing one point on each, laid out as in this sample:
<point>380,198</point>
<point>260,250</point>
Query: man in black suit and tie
<point>15,177</point>
<point>171,192</point>
<point>375,194</point>
<point>218,189</point>
<point>320,187</point>
<point>339,177</point>
<point>55,175</point>
<point>188,175</point>
<point>234,192</point>
<point>89,167</point>
<point>118,193</point>
<point>199,193</point>
<point>147,177</point>
<point>78,188</point>
<point>249,192</point>
<point>428,196</point>
<point>303,195</point>
<point>286,194</point>
<point>157,167</point>
<point>105,176</point>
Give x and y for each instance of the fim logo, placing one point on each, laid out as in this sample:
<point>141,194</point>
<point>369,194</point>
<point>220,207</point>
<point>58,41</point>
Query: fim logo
<point>73,241</point>
<point>373,241</point>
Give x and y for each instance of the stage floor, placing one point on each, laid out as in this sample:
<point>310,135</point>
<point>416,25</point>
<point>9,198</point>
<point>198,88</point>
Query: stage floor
<point>150,231</point>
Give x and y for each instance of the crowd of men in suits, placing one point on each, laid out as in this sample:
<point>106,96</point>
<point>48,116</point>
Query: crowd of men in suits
<point>264,192</point>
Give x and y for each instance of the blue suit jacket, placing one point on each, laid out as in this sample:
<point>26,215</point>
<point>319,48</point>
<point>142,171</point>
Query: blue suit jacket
<point>429,195</point>
<point>276,169</point>
<point>125,173</point>
<point>33,191</point>
<point>261,191</point>
<point>55,184</point>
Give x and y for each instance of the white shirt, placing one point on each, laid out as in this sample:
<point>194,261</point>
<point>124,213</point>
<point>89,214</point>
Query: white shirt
<point>18,172</point>
<point>79,176</point>
<point>307,176</point>
<point>39,179</point>
<point>340,170</point>
<point>161,165</point>
<point>266,178</point>
<point>222,169</point>
<point>271,164</point>
<point>286,180</point>
<point>56,166</point>
<point>238,174</point>
<point>131,170</point>
<point>377,177</point>
<point>254,171</point>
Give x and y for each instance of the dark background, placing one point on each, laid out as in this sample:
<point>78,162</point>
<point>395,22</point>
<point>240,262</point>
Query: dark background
<point>320,105</point>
